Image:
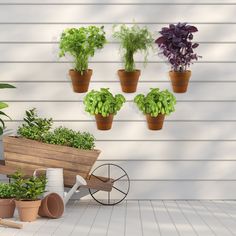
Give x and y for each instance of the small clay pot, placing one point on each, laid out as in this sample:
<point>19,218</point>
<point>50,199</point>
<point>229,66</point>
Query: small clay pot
<point>7,208</point>
<point>155,123</point>
<point>28,210</point>
<point>180,80</point>
<point>52,206</point>
<point>104,123</point>
<point>80,82</point>
<point>129,80</point>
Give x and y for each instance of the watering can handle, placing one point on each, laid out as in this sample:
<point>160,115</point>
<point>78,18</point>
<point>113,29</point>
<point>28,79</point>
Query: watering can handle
<point>39,169</point>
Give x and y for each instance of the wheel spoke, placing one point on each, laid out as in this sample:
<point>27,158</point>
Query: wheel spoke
<point>108,198</point>
<point>98,178</point>
<point>119,178</point>
<point>119,190</point>
<point>96,191</point>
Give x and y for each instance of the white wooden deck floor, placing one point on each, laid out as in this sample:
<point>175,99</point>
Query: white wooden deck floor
<point>138,218</point>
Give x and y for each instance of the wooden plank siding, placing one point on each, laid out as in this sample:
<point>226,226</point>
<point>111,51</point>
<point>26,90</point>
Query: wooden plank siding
<point>194,156</point>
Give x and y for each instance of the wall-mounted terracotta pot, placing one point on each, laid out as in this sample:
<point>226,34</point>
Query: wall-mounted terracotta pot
<point>80,82</point>
<point>129,80</point>
<point>104,123</point>
<point>28,210</point>
<point>155,123</point>
<point>180,80</point>
<point>7,208</point>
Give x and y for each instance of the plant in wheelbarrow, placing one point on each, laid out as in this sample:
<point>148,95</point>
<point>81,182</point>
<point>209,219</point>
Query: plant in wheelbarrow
<point>7,204</point>
<point>175,43</point>
<point>27,193</point>
<point>155,105</point>
<point>81,43</point>
<point>104,105</point>
<point>132,40</point>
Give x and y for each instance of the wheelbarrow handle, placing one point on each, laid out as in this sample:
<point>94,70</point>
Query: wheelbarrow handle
<point>11,224</point>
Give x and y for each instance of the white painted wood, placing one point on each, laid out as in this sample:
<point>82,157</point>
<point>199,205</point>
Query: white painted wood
<point>180,222</point>
<point>121,13</point>
<point>58,72</point>
<point>183,111</point>
<point>149,224</point>
<point>133,219</point>
<point>63,92</point>
<point>210,219</point>
<point>49,52</point>
<point>51,33</point>
<point>165,223</point>
<point>139,131</point>
<point>199,226</point>
<point>227,207</point>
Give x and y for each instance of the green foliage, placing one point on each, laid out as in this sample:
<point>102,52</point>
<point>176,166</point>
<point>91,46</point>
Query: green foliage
<point>39,129</point>
<point>6,190</point>
<point>2,106</point>
<point>156,102</point>
<point>103,102</point>
<point>28,188</point>
<point>132,40</point>
<point>81,44</point>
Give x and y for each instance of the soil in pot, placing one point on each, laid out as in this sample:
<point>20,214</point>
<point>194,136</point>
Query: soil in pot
<point>129,80</point>
<point>80,82</point>
<point>28,210</point>
<point>52,206</point>
<point>104,123</point>
<point>180,80</point>
<point>7,208</point>
<point>155,123</point>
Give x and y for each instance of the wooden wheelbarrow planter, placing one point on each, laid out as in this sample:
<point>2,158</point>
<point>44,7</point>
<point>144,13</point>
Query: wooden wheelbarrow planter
<point>28,155</point>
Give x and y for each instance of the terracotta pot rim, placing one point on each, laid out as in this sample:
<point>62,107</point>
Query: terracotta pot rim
<point>112,114</point>
<point>123,70</point>
<point>79,71</point>
<point>25,200</point>
<point>148,114</point>
<point>180,72</point>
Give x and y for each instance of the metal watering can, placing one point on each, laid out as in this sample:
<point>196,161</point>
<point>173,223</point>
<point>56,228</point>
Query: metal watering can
<point>55,198</point>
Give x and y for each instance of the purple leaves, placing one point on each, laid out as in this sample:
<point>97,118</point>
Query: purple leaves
<point>175,43</point>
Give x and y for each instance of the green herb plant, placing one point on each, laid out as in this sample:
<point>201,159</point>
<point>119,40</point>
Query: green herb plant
<point>133,39</point>
<point>156,102</point>
<point>81,43</point>
<point>40,129</point>
<point>28,189</point>
<point>6,191</point>
<point>2,106</point>
<point>103,102</point>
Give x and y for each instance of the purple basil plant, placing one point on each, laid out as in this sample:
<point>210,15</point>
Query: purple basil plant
<point>176,44</point>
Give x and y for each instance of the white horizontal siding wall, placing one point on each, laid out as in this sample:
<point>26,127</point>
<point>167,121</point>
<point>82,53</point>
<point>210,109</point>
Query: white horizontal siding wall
<point>194,156</point>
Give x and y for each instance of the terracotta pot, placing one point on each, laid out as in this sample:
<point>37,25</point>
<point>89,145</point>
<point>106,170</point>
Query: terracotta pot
<point>28,210</point>
<point>180,80</point>
<point>155,123</point>
<point>104,123</point>
<point>129,80</point>
<point>7,208</point>
<point>52,206</point>
<point>80,82</point>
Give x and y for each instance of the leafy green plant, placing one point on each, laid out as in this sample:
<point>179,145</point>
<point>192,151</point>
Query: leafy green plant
<point>81,44</point>
<point>103,102</point>
<point>132,40</point>
<point>2,106</point>
<point>28,188</point>
<point>40,129</point>
<point>6,190</point>
<point>156,102</point>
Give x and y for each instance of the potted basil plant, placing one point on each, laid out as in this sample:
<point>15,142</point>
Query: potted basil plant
<point>176,45</point>
<point>155,105</point>
<point>104,106</point>
<point>132,40</point>
<point>81,43</point>
<point>28,192</point>
<point>7,204</point>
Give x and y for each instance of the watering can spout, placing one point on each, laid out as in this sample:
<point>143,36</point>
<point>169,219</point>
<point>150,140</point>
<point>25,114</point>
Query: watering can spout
<point>79,182</point>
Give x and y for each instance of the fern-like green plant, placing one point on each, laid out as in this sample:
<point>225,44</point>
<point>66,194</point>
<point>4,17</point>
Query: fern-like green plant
<point>103,102</point>
<point>133,39</point>
<point>156,102</point>
<point>81,43</point>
